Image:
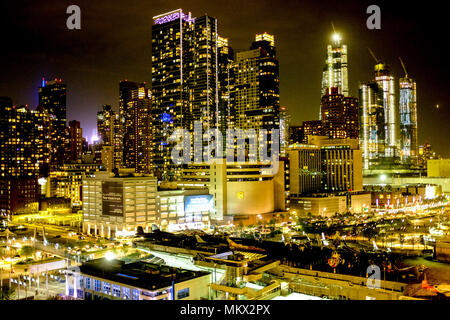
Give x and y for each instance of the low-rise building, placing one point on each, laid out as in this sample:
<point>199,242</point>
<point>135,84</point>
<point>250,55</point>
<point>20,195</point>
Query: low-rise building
<point>184,209</point>
<point>328,204</point>
<point>101,279</point>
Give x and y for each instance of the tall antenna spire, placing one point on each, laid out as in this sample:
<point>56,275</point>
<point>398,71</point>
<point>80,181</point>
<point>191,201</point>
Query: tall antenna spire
<point>373,55</point>
<point>403,66</point>
<point>332,26</point>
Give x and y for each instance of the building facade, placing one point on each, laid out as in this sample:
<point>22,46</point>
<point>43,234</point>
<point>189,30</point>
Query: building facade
<point>117,205</point>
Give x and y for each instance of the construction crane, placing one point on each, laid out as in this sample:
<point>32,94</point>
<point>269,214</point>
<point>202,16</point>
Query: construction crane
<point>373,55</point>
<point>403,66</point>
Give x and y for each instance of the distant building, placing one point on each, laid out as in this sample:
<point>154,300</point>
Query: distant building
<point>339,115</point>
<point>75,140</point>
<point>295,134</point>
<point>137,126</point>
<point>409,145</point>
<point>67,182</point>
<point>311,128</point>
<point>438,168</point>
<point>25,145</point>
<point>335,72</point>
<point>52,98</point>
<point>115,280</point>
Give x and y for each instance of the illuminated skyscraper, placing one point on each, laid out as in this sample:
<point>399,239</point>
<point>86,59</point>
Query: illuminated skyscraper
<point>52,98</point>
<point>335,72</point>
<point>138,133</point>
<point>184,80</point>
<point>109,127</point>
<point>226,86</point>
<point>386,83</point>
<point>257,98</point>
<point>24,154</point>
<point>409,147</point>
<point>372,133</point>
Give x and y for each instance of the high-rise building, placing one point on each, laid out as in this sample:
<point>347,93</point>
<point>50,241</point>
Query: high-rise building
<point>256,97</point>
<point>339,115</point>
<point>137,127</point>
<point>372,133</point>
<point>409,147</point>
<point>335,72</point>
<point>105,125</point>
<point>295,134</point>
<point>24,154</point>
<point>285,119</point>
<point>184,80</point>
<point>226,86</point>
<point>75,140</point>
<point>52,98</point>
<point>311,128</point>
<point>386,83</point>
<point>110,128</point>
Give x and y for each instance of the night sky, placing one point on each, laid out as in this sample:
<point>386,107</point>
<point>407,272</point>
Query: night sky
<point>114,43</point>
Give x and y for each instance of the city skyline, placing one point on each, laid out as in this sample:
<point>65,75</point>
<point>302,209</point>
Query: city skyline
<point>92,71</point>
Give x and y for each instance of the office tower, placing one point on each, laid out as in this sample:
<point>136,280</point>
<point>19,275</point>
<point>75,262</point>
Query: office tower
<point>409,147</point>
<point>257,99</point>
<point>295,134</point>
<point>226,86</point>
<point>126,89</point>
<point>24,154</point>
<point>202,81</point>
<point>386,82</point>
<point>285,119</point>
<point>372,133</point>
<point>335,72</point>
<point>110,128</point>
<point>325,165</point>
<point>105,125</point>
<point>137,134</point>
<point>184,80</point>
<point>311,128</point>
<point>339,115</point>
<point>52,98</point>
<point>75,140</point>
<point>171,64</point>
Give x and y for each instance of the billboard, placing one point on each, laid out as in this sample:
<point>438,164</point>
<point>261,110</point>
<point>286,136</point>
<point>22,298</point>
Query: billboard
<point>198,203</point>
<point>112,198</point>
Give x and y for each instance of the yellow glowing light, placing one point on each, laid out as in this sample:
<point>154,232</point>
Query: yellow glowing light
<point>336,37</point>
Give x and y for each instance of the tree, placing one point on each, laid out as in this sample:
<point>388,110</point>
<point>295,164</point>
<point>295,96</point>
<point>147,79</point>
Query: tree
<point>6,293</point>
<point>27,251</point>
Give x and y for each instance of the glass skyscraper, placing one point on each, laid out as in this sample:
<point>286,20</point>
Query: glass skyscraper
<point>335,72</point>
<point>409,147</point>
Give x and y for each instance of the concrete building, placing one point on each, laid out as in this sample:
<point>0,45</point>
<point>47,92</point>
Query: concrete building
<point>325,165</point>
<point>114,280</point>
<point>117,205</point>
<point>241,189</point>
<point>438,168</point>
